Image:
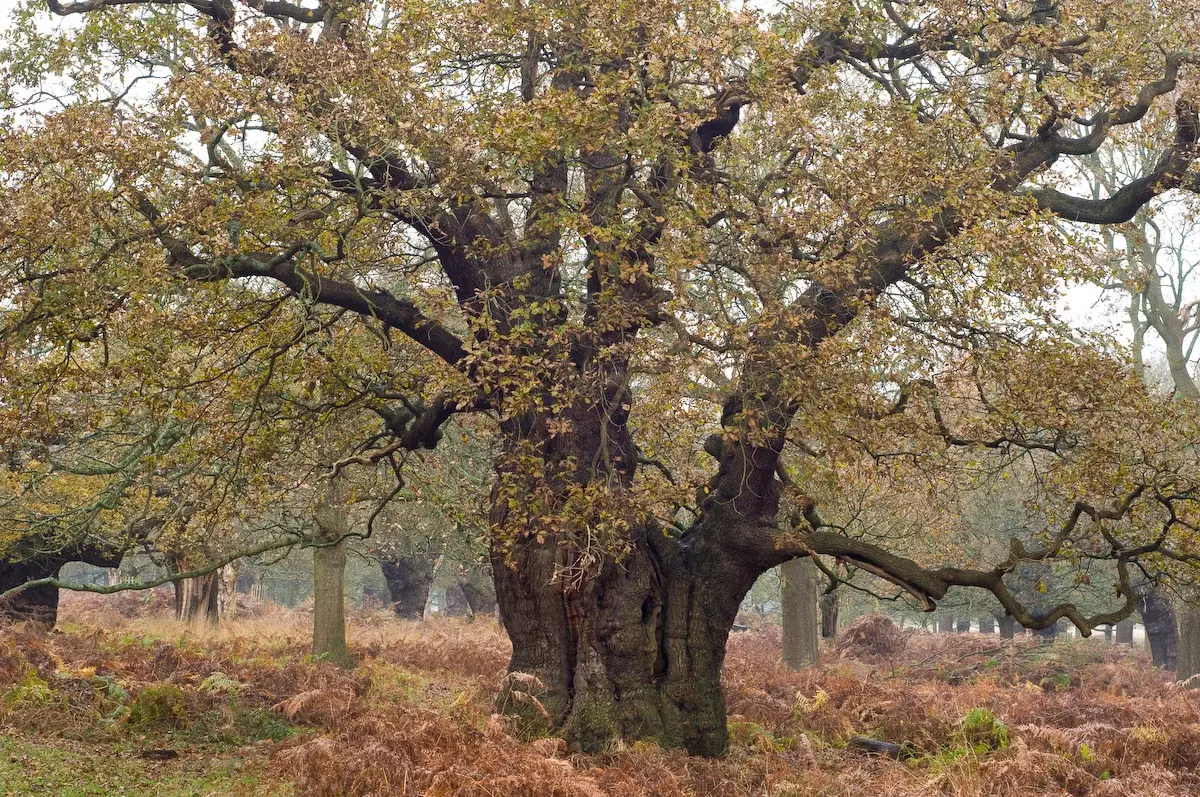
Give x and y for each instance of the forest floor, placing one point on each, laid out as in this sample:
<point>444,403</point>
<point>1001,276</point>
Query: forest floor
<point>121,704</point>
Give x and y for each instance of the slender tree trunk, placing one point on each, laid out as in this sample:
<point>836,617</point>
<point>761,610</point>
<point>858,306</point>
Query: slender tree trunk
<point>329,606</point>
<point>197,600</point>
<point>963,627</point>
<point>1008,627</point>
<point>1159,618</point>
<point>1125,632</point>
<point>1189,646</point>
<point>409,579</point>
<point>329,573</point>
<point>227,594</point>
<point>987,625</point>
<point>829,615</point>
<point>1108,634</point>
<point>800,613</point>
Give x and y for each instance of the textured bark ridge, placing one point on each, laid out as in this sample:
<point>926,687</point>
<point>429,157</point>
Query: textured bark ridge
<point>800,612</point>
<point>197,600</point>
<point>634,653</point>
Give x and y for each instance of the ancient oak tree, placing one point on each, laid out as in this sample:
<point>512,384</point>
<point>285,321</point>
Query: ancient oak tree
<point>696,263</point>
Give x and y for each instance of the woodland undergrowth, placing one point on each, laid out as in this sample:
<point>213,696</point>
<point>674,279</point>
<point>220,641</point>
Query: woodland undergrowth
<point>974,715</point>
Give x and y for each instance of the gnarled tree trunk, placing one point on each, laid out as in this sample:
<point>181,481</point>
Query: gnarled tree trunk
<point>634,652</point>
<point>39,604</point>
<point>480,593</point>
<point>409,579</point>
<point>1159,618</point>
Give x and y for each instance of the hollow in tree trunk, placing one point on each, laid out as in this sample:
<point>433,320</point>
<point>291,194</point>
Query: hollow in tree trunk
<point>1125,632</point>
<point>829,615</point>
<point>409,579</point>
<point>1159,618</point>
<point>329,573</point>
<point>1008,627</point>
<point>800,613</point>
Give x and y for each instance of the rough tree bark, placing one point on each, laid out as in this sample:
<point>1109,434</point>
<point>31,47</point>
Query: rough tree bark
<point>227,593</point>
<point>1189,647</point>
<point>1159,618</point>
<point>829,615</point>
<point>799,600</point>
<point>197,600</point>
<point>409,579</point>
<point>329,573</point>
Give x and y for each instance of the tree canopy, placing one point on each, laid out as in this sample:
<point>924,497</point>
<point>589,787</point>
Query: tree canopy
<point>704,269</point>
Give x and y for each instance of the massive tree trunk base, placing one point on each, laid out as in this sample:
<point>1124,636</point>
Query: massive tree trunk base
<point>633,652</point>
<point>39,605</point>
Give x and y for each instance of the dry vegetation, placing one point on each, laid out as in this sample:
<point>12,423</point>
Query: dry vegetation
<point>246,713</point>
